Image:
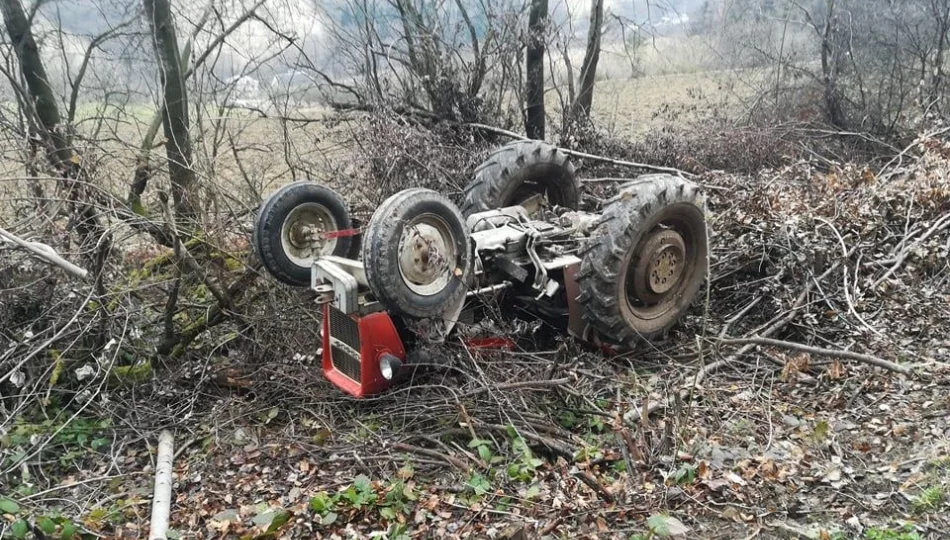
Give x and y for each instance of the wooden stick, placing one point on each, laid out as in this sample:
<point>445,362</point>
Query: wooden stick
<point>47,254</point>
<point>519,385</point>
<point>941,224</point>
<point>771,328</point>
<point>592,483</point>
<point>849,355</point>
<point>461,465</point>
<point>162,499</point>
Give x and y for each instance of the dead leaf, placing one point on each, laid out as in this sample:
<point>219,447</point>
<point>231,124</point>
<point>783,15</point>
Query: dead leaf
<point>836,370</point>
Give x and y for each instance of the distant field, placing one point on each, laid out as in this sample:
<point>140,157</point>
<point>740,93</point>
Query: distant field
<point>665,87</point>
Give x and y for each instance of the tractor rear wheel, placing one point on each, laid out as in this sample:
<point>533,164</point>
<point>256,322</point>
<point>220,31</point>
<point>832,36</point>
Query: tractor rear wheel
<point>286,232</point>
<point>646,260</point>
<point>516,172</point>
<point>416,254</point>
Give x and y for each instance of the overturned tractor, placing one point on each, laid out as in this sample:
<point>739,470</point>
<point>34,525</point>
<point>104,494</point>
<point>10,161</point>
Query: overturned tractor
<point>614,276</point>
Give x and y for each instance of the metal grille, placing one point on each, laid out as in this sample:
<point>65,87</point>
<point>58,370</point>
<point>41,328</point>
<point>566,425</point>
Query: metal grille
<point>344,328</point>
<point>346,362</point>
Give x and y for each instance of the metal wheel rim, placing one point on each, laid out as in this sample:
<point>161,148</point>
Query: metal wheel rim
<point>293,240</point>
<point>657,305</point>
<point>427,254</point>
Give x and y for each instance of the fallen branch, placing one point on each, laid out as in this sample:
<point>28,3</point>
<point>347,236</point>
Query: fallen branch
<point>458,463</point>
<point>162,500</point>
<point>46,253</point>
<point>771,328</point>
<point>519,385</point>
<point>849,355</point>
<point>553,445</point>
<point>941,224</point>
<point>592,483</point>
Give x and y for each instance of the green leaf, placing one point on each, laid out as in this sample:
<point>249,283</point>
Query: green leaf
<point>9,507</point>
<point>484,453</point>
<point>19,528</point>
<point>361,483</point>
<point>281,517</point>
<point>479,484</point>
<point>69,530</point>
<point>328,519</point>
<point>46,525</point>
<point>321,502</point>
<point>479,442</point>
<point>666,526</point>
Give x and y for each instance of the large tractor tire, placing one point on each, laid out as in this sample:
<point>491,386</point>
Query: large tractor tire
<point>646,260</point>
<point>417,255</point>
<point>516,172</point>
<point>280,231</point>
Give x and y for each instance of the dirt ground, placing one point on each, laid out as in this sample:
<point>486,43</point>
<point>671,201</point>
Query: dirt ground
<point>701,435</point>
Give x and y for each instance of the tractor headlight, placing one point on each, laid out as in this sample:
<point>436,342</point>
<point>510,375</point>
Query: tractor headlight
<point>388,366</point>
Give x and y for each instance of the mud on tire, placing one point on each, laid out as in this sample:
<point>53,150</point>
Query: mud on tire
<point>300,202</point>
<point>416,253</point>
<point>519,170</point>
<point>646,260</point>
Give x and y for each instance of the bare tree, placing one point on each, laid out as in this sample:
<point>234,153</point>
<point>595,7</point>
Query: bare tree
<point>175,118</point>
<point>40,104</point>
<point>40,98</point>
<point>585,94</point>
<point>534,67</point>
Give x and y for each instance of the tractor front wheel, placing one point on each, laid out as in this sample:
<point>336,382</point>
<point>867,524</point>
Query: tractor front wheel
<point>416,254</point>
<point>290,227</point>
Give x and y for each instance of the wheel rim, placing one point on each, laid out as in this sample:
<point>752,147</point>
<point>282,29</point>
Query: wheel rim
<point>299,234</point>
<point>427,254</point>
<point>664,265</point>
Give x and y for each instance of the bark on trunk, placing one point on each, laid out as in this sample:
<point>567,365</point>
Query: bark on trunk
<point>585,94</point>
<point>44,101</point>
<point>534,66</point>
<point>829,68</point>
<point>43,111</point>
<point>175,119</point>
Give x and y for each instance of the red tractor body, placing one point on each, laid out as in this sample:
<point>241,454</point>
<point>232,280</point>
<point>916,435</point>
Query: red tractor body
<point>422,270</point>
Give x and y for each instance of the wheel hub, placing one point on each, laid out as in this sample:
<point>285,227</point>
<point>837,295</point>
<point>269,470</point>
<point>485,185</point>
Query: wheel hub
<point>301,233</point>
<point>425,255</point>
<point>660,265</point>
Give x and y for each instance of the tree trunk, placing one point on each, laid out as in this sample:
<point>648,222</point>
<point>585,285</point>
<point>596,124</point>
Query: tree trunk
<point>44,101</point>
<point>585,94</point>
<point>41,106</point>
<point>534,65</point>
<point>829,68</point>
<point>175,118</point>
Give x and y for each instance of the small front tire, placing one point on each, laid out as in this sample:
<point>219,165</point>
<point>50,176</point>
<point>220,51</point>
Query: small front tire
<point>417,255</point>
<point>281,230</point>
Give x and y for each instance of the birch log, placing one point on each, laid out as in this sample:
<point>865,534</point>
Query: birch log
<point>46,253</point>
<point>162,499</point>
